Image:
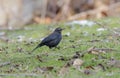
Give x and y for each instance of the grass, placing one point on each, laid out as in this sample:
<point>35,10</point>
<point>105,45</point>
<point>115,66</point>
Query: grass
<point>22,63</point>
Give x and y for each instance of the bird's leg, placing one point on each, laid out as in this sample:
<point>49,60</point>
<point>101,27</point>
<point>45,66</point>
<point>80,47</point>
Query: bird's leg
<point>50,47</point>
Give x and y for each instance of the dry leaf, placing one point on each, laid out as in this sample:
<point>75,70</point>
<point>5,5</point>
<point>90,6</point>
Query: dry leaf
<point>87,71</point>
<point>77,63</point>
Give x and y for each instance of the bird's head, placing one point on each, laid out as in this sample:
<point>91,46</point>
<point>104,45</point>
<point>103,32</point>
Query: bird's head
<point>58,29</point>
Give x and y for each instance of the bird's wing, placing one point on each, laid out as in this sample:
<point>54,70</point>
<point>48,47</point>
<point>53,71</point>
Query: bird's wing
<point>49,38</point>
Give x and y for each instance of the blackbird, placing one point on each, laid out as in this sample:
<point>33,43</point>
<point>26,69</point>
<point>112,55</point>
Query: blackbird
<point>51,40</point>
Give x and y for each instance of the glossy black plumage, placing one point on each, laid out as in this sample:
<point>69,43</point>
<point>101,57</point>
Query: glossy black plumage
<point>52,40</point>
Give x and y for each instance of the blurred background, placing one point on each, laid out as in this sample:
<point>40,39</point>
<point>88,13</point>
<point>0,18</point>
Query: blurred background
<point>17,13</point>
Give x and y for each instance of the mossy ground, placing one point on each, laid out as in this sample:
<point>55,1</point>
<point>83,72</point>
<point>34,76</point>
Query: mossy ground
<point>80,39</point>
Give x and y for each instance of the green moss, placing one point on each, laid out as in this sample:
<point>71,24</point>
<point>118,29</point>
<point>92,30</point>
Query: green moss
<point>80,39</point>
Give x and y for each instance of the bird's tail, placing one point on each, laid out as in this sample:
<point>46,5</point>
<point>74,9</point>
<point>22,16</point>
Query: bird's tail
<point>36,47</point>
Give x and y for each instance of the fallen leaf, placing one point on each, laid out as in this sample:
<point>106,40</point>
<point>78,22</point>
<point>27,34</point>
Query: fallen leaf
<point>77,63</point>
<point>87,71</point>
<point>89,67</point>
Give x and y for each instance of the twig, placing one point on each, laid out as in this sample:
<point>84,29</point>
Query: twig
<point>100,49</point>
<point>104,49</point>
